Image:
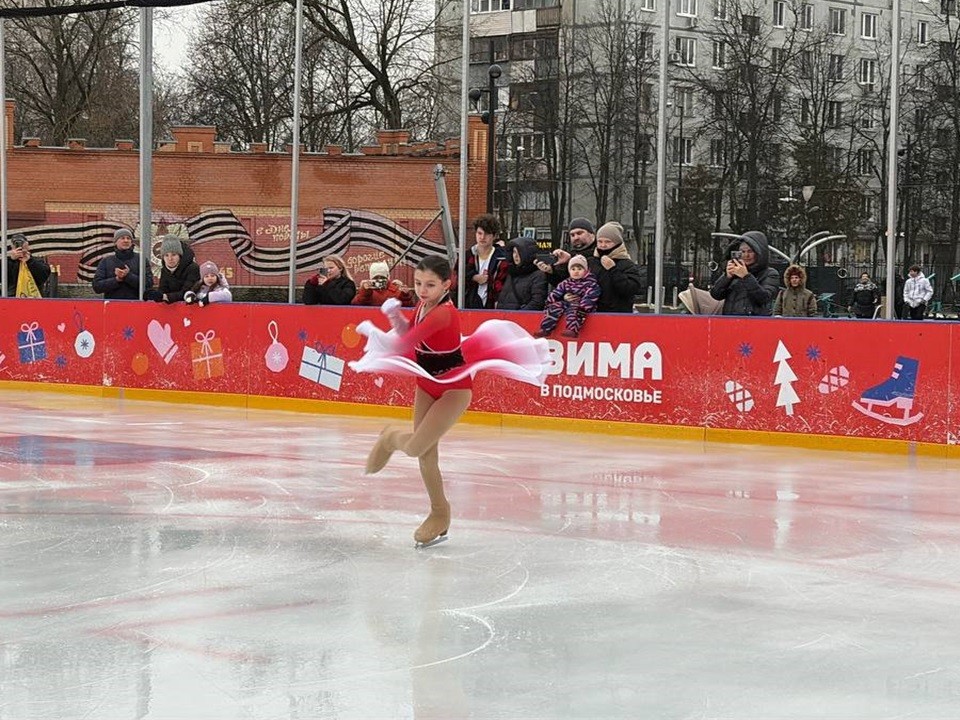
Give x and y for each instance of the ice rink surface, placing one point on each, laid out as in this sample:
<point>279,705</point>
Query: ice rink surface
<point>165,561</point>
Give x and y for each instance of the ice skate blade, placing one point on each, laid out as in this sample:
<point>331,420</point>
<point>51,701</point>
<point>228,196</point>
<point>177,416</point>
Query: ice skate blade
<point>901,421</point>
<point>430,543</point>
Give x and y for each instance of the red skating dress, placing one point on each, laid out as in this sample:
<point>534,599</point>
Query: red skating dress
<point>434,338</point>
<point>434,352</point>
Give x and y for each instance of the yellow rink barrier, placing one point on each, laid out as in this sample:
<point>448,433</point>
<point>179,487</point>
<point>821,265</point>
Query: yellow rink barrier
<point>506,421</point>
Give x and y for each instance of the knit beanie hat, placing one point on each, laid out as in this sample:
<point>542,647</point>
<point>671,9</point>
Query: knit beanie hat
<point>578,260</point>
<point>581,223</point>
<point>379,269</point>
<point>171,244</point>
<point>209,268</point>
<point>611,231</point>
<point>122,232</point>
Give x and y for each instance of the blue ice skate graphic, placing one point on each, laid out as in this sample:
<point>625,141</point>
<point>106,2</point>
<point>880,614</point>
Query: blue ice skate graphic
<point>897,391</point>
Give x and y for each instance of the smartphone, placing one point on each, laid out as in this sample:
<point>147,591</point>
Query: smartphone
<point>736,254</point>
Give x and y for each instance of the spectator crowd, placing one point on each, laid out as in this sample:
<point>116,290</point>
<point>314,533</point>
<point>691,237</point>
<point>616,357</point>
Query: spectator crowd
<point>592,272</point>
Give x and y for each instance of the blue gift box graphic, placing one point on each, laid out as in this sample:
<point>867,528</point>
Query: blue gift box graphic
<point>321,366</point>
<point>31,343</point>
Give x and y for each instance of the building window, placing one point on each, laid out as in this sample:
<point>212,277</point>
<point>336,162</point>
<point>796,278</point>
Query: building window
<point>865,162</point>
<point>480,49</point>
<point>835,68</point>
<point>868,117</point>
<point>719,54</point>
<point>687,8</point>
<point>777,107</point>
<point>485,6</point>
<point>805,111</point>
<point>779,13</point>
<point>806,64</point>
<point>684,99</point>
<point>718,153</point>
<point>834,157</point>
<point>682,150</point>
<point>646,44</point>
<point>866,207</point>
<point>720,9</point>
<point>527,146</point>
<point>646,97</point>
<point>868,26</point>
<point>834,113</point>
<point>751,24</point>
<point>838,21</point>
<point>923,32</point>
<point>806,16</point>
<point>686,49</point>
<point>533,47</point>
<point>648,5</point>
<point>868,71</point>
<point>777,58</point>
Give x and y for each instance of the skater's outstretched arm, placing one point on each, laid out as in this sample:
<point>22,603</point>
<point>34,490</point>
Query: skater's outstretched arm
<point>434,320</point>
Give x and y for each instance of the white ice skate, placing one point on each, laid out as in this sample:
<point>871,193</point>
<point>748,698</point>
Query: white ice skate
<point>896,392</point>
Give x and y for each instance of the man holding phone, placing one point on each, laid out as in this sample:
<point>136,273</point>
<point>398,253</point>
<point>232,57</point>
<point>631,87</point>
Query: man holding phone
<point>118,275</point>
<point>17,253</point>
<point>748,285</point>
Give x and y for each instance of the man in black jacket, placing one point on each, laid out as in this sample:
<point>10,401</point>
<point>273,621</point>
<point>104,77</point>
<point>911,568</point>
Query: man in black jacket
<point>18,252</point>
<point>748,285</point>
<point>118,275</point>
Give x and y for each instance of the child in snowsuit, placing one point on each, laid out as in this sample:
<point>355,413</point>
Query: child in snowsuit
<point>212,287</point>
<point>573,298</point>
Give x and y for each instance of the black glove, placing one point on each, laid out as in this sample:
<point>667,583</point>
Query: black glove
<point>189,297</point>
<point>203,301</point>
<point>153,294</point>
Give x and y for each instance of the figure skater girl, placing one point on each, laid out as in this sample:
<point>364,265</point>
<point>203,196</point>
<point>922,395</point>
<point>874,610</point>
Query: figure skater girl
<point>431,348</point>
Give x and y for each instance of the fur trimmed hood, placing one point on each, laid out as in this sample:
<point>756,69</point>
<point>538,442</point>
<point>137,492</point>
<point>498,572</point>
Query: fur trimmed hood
<point>795,270</point>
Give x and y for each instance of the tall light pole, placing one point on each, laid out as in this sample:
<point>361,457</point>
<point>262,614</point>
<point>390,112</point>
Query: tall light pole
<point>661,161</point>
<point>489,118</point>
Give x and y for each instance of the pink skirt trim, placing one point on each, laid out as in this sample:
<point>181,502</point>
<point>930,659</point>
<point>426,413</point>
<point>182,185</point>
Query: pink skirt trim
<point>497,346</point>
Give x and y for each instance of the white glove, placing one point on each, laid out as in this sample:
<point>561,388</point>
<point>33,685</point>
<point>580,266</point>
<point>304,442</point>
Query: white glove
<point>189,297</point>
<point>391,308</point>
<point>160,339</point>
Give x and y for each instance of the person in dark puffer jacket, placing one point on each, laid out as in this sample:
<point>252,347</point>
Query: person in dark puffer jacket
<point>332,285</point>
<point>748,285</point>
<point>526,286</point>
<point>179,271</point>
<point>118,275</point>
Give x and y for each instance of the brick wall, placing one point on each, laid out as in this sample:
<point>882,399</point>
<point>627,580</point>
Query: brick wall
<point>193,172</point>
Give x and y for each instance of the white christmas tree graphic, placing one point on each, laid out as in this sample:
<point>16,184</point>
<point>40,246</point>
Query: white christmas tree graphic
<point>787,397</point>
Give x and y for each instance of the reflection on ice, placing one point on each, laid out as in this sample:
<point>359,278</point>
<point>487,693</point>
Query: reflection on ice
<point>164,561</point>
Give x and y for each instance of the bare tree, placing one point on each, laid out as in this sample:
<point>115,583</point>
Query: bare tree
<point>391,42</point>
<point>940,128</point>
<point>240,71</point>
<point>746,87</point>
<point>74,75</point>
<point>607,66</point>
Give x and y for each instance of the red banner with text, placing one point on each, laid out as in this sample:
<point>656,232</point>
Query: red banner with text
<point>876,379</point>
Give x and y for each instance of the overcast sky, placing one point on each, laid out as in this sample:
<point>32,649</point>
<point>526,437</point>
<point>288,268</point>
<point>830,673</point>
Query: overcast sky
<point>171,34</point>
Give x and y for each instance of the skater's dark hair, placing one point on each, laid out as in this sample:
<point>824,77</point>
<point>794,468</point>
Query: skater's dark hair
<point>436,264</point>
<point>914,268</point>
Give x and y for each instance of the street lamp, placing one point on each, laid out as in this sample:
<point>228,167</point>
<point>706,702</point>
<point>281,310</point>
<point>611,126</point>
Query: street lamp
<point>515,223</point>
<point>489,119</point>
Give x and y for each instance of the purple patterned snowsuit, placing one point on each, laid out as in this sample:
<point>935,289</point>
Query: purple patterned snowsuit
<point>587,289</point>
